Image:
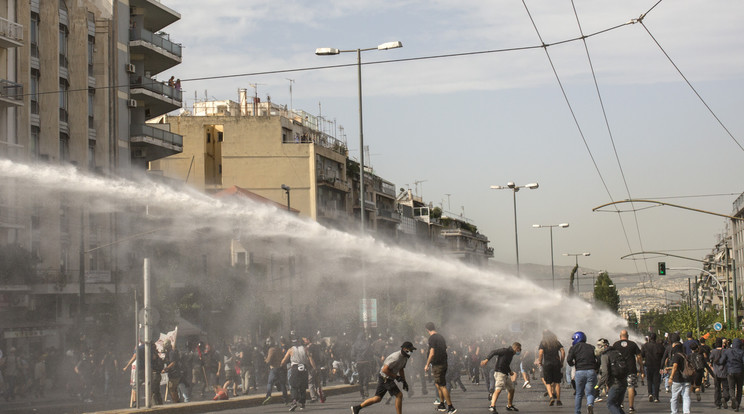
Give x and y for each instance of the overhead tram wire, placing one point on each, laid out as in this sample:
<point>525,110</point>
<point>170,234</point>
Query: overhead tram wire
<point>640,20</point>
<point>345,65</point>
<point>576,121</point>
<point>612,138</point>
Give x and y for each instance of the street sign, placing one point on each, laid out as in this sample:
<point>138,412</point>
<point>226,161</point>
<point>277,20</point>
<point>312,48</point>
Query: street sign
<point>718,326</point>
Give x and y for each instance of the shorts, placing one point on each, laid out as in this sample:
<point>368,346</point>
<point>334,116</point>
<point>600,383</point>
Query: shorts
<point>503,381</point>
<point>552,374</point>
<point>439,372</point>
<point>632,381</point>
<point>385,385</point>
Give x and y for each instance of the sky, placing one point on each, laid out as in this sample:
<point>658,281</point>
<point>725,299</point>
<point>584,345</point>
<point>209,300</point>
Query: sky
<point>449,127</point>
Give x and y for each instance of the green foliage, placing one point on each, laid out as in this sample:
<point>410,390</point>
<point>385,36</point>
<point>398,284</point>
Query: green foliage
<point>436,212</point>
<point>683,320</point>
<point>605,293</point>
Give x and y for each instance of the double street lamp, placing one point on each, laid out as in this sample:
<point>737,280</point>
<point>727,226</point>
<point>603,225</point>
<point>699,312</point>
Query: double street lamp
<point>515,188</point>
<point>325,51</point>
<point>576,255</point>
<point>550,226</point>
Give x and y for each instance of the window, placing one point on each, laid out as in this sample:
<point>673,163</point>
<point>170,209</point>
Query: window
<point>91,154</point>
<point>219,136</point>
<point>35,78</point>
<point>64,147</point>
<point>34,143</point>
<point>91,51</point>
<point>209,137</point>
<point>63,88</point>
<point>63,34</point>
<point>34,34</point>
<point>91,108</point>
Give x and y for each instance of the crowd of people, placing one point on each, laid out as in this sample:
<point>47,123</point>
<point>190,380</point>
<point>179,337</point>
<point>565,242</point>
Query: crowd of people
<point>289,367</point>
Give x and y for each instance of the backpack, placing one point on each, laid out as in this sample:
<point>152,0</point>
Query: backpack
<point>688,370</point>
<point>698,361</point>
<point>618,365</point>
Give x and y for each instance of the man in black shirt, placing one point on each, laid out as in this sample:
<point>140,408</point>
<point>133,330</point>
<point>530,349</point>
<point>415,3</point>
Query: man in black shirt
<point>438,361</point>
<point>502,376</point>
<point>632,354</point>
<point>652,353</point>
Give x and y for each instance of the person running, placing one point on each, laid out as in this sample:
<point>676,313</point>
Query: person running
<point>613,374</point>
<point>437,360</point>
<point>502,375</point>
<point>632,354</point>
<point>550,356</point>
<point>679,383</point>
<point>392,370</point>
<point>652,353</point>
<point>300,361</point>
<point>277,374</point>
<point>721,393</point>
<point>581,356</point>
<point>733,359</point>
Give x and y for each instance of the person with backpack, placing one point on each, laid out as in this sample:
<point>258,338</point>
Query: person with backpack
<point>632,354</point>
<point>679,379</point>
<point>720,375</point>
<point>700,363</point>
<point>614,374</point>
<point>732,358</point>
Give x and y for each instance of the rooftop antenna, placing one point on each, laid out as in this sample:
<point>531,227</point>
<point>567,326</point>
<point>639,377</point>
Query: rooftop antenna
<point>416,183</point>
<point>255,97</point>
<point>291,81</point>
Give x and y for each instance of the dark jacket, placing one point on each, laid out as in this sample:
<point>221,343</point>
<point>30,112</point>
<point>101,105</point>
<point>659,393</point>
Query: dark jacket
<point>505,358</point>
<point>652,352</point>
<point>732,358</point>
<point>582,357</point>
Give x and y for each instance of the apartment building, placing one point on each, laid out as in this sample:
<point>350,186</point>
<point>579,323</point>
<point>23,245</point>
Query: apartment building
<point>284,156</point>
<point>76,85</point>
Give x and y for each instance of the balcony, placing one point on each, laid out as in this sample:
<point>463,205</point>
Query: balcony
<point>156,52</point>
<point>155,14</point>
<point>149,143</point>
<point>388,215</point>
<point>11,34</point>
<point>334,183</point>
<point>158,97</point>
<point>11,94</point>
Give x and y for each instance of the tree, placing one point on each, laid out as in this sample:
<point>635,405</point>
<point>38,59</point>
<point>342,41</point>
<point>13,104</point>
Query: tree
<point>571,280</point>
<point>605,293</point>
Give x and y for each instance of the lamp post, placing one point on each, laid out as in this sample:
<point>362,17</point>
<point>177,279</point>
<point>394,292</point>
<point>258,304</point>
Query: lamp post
<point>325,51</point>
<point>712,276</point>
<point>286,188</point>
<point>515,188</point>
<point>576,255</point>
<point>550,226</point>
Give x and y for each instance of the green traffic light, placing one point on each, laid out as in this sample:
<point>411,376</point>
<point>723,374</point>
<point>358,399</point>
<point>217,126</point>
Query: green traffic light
<point>662,268</point>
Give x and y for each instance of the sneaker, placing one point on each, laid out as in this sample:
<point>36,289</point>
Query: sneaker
<point>559,403</point>
<point>598,399</point>
<point>266,401</point>
<point>589,409</point>
<point>526,384</point>
<point>656,400</point>
<point>650,398</point>
<point>355,409</point>
<point>451,410</point>
<point>631,410</point>
<point>492,409</point>
<point>437,402</point>
<point>442,407</point>
<point>511,408</point>
<point>293,406</point>
<point>552,401</point>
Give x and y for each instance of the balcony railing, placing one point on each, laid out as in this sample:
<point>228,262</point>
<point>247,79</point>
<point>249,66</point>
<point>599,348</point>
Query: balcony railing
<point>11,30</point>
<point>11,90</point>
<point>157,40</point>
<point>155,86</point>
<point>165,136</point>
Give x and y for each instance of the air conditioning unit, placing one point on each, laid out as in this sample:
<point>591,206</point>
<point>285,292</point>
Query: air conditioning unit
<point>130,68</point>
<point>132,103</point>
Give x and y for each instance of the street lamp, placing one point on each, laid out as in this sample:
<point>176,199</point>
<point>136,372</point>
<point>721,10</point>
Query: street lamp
<point>515,188</point>
<point>550,226</point>
<point>576,255</point>
<point>286,188</point>
<point>325,51</point>
<point>712,276</point>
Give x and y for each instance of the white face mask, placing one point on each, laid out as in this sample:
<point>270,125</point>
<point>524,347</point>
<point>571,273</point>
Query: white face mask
<point>407,352</point>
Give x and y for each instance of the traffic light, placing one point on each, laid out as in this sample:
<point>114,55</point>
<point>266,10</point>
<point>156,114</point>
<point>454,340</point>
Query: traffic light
<point>662,268</point>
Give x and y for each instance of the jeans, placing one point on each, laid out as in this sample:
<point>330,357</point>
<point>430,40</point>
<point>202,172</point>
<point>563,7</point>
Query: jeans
<point>276,377</point>
<point>585,381</point>
<point>721,391</point>
<point>684,389</point>
<point>653,381</point>
<point>735,384</point>
<point>615,397</point>
<point>665,380</point>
